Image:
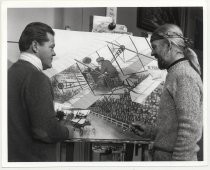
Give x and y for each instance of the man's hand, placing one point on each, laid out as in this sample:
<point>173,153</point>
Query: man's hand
<point>138,128</point>
<point>77,133</point>
<point>71,131</point>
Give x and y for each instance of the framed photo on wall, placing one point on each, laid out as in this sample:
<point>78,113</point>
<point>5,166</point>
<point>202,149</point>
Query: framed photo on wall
<point>149,18</point>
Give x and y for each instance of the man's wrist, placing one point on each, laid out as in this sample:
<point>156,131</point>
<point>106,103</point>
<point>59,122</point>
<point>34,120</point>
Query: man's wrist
<point>71,131</point>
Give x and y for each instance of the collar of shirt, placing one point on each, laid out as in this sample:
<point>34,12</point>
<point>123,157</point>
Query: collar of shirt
<point>176,63</point>
<point>31,58</point>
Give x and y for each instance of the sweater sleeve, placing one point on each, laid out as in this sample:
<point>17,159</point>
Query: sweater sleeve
<point>39,99</point>
<point>188,98</point>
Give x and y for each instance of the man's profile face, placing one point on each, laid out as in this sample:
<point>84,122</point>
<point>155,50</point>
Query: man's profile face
<point>159,51</point>
<point>46,52</point>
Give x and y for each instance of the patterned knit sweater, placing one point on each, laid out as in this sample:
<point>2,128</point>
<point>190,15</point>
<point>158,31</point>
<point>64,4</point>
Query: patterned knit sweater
<point>180,116</point>
<point>33,129</point>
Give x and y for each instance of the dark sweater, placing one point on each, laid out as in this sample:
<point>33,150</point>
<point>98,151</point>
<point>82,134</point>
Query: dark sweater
<point>33,129</point>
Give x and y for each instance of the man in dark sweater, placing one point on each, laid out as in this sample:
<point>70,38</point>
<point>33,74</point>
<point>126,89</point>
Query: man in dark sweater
<point>33,129</point>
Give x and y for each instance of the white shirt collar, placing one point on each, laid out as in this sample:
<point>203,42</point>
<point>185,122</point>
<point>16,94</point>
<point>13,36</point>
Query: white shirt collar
<point>31,58</point>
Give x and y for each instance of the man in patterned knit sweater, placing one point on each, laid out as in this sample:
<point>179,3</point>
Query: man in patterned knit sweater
<point>33,129</point>
<point>179,123</point>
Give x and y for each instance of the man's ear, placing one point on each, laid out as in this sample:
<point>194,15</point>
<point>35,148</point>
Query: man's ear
<point>34,46</point>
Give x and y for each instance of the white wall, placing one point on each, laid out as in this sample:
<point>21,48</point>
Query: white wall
<point>128,16</point>
<point>88,16</point>
<point>79,19</point>
<point>73,18</point>
<point>18,18</point>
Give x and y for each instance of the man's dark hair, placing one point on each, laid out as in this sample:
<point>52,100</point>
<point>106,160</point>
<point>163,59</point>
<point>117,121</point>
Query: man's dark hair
<point>34,31</point>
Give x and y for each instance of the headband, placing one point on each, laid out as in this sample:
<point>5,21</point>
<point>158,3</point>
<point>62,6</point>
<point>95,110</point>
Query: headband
<point>156,36</point>
<point>159,36</point>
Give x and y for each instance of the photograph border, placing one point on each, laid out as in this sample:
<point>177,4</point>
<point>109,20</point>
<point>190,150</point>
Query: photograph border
<point>102,3</point>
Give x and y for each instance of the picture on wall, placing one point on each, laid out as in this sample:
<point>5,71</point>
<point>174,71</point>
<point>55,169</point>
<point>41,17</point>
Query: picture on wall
<point>149,18</point>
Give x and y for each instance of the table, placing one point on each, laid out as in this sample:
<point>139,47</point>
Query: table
<point>103,132</point>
